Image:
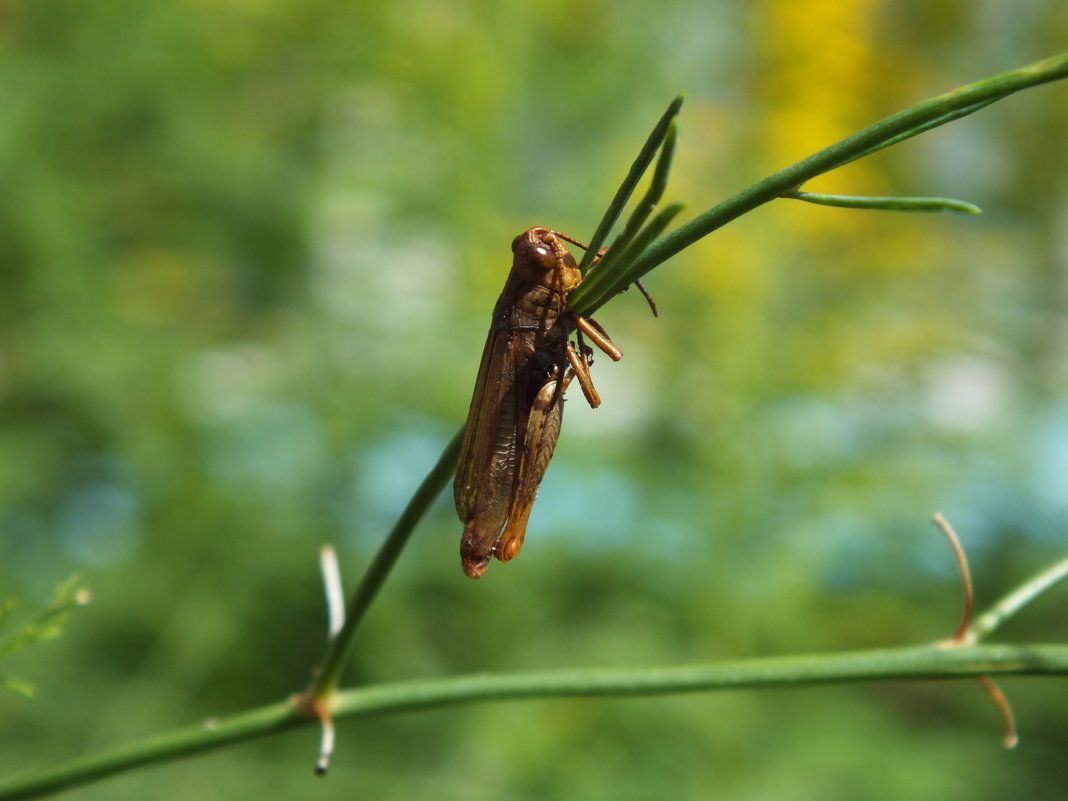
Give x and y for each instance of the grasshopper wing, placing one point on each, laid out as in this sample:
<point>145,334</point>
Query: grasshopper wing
<point>485,477</point>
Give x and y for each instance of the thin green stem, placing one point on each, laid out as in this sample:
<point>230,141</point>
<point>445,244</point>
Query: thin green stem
<point>1016,600</point>
<point>587,299</point>
<point>915,662</point>
<point>330,673</point>
<point>599,281</point>
<point>950,116</point>
<point>889,131</point>
<point>46,622</point>
<point>643,208</point>
<point>924,204</point>
<point>183,742</point>
<point>634,175</point>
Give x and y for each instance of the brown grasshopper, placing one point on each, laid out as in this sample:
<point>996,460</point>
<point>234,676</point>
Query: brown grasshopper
<point>518,403</point>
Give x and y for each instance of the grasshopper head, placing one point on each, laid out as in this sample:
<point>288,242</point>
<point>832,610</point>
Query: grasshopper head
<point>542,258</point>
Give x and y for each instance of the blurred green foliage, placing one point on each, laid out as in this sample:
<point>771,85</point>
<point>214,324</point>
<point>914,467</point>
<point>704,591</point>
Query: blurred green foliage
<point>249,251</point>
<point>42,624</point>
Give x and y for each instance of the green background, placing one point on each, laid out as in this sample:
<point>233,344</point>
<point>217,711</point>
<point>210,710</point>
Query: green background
<point>248,252</point>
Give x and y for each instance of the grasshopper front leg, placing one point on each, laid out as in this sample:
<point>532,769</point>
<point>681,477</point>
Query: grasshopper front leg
<point>580,368</point>
<point>598,336</point>
<point>580,362</point>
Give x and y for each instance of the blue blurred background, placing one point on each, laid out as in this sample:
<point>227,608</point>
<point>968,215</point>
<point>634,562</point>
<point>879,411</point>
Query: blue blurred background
<point>248,252</point>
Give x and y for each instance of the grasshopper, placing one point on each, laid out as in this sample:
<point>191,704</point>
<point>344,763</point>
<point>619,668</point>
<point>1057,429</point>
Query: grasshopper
<point>518,402</point>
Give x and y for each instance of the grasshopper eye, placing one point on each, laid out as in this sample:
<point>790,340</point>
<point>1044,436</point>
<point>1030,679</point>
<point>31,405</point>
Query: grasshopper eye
<point>515,242</point>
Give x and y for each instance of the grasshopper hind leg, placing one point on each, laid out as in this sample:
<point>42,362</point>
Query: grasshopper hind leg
<point>543,430</point>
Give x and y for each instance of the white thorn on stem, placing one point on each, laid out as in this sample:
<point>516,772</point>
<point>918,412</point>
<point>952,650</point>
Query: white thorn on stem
<point>326,747</point>
<point>335,597</point>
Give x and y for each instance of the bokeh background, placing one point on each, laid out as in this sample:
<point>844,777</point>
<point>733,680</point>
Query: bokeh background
<point>248,251</point>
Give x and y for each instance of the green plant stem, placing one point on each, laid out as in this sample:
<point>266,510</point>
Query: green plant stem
<point>634,175</point>
<point>1016,600</point>
<point>915,662</point>
<point>164,747</point>
<point>330,672</point>
<point>644,207</point>
<point>647,235</point>
<point>47,622</point>
<point>889,131</point>
<point>597,294</point>
<point>922,204</point>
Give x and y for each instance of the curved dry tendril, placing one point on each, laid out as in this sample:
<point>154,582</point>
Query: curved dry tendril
<point>964,636</point>
<point>961,636</point>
